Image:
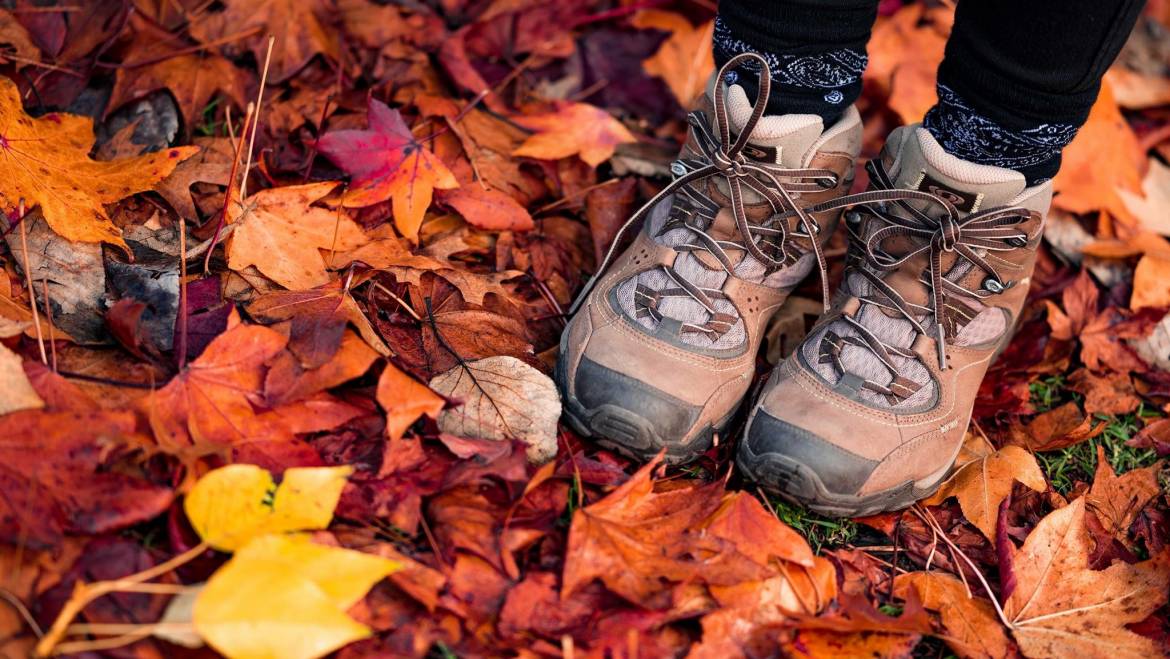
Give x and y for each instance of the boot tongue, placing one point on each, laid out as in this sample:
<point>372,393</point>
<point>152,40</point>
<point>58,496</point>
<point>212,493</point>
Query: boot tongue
<point>924,165</point>
<point>783,140</point>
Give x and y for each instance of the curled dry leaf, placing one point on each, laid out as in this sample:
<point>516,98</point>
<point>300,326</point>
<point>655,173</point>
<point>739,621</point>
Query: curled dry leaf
<point>982,484</point>
<point>47,164</point>
<point>573,129</point>
<point>230,506</point>
<point>502,398</point>
<point>1059,607</point>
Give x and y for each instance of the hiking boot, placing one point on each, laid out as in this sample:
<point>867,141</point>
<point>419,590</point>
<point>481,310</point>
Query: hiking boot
<point>869,412</point>
<point>663,349</point>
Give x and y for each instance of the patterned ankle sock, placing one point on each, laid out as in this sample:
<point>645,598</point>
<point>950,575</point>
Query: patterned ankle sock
<point>822,82</point>
<point>1034,151</point>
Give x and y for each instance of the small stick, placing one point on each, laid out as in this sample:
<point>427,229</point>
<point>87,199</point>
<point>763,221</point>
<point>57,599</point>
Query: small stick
<point>182,319</point>
<point>49,318</point>
<point>28,281</point>
<point>256,119</point>
<point>227,197</point>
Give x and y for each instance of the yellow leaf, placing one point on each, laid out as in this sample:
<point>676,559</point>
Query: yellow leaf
<point>283,597</point>
<point>45,162</point>
<point>233,504</point>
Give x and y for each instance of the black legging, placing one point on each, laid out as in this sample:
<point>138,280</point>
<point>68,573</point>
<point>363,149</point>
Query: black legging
<point>1023,64</point>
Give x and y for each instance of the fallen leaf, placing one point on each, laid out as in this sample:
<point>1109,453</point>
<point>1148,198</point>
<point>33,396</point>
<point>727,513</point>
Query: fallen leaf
<point>210,402</point>
<point>230,506</point>
<point>982,484</point>
<point>281,233</point>
<point>573,129</point>
<point>487,209</point>
<point>1152,206</point>
<point>18,393</point>
<point>318,322</point>
<point>284,596</point>
<point>684,60</point>
<point>288,380</point>
<point>1117,500</point>
<point>46,163</point>
<point>294,26</point>
<point>1151,283</point>
<point>405,399</point>
<point>971,626</point>
<point>502,398</point>
<point>385,161</point>
<point>213,164</point>
<point>1059,607</point>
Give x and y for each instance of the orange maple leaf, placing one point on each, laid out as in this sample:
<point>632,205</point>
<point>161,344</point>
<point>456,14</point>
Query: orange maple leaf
<point>573,129</point>
<point>684,60</point>
<point>386,162</point>
<point>45,162</point>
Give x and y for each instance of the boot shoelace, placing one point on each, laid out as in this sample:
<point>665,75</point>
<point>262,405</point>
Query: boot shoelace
<point>992,230</point>
<point>722,157</point>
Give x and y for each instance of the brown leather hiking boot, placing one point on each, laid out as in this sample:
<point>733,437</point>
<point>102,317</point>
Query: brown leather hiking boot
<point>869,412</point>
<point>663,349</point>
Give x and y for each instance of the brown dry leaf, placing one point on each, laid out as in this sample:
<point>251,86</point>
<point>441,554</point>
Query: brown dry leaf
<point>971,625</point>
<point>281,233</point>
<point>15,391</point>
<point>1059,607</point>
<point>1117,500</point>
<point>503,398</point>
<point>46,163</point>
<point>15,39</point>
<point>405,399</point>
<point>573,129</point>
<point>684,60</point>
<point>1110,393</point>
<point>193,79</point>
<point>213,164</point>
<point>288,380</point>
<point>318,322</point>
<point>1057,428</point>
<point>981,485</point>
<point>1101,161</point>
<point>294,25</point>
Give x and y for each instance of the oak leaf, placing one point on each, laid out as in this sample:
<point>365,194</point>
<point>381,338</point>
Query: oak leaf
<point>684,60</point>
<point>982,484</point>
<point>385,161</point>
<point>45,162</point>
<point>1059,607</point>
<point>284,596</point>
<point>230,506</point>
<point>573,129</point>
<point>971,626</point>
<point>281,233</point>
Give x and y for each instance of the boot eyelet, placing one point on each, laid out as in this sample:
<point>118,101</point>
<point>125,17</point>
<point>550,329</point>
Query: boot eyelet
<point>678,169</point>
<point>992,285</point>
<point>827,182</point>
<point>1017,241</point>
<point>853,218</point>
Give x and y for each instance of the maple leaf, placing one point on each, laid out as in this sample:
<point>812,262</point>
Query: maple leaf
<point>213,164</point>
<point>55,476</point>
<point>1152,206</point>
<point>385,161</point>
<point>288,380</point>
<point>45,162</point>
<point>972,628</point>
<point>210,401</point>
<point>1101,161</point>
<point>281,233</point>
<point>685,59</point>
<point>1117,500</point>
<point>905,52</point>
<point>573,129</point>
<point>1150,287</point>
<point>488,209</point>
<point>193,79</point>
<point>319,317</point>
<point>295,27</point>
<point>405,400</point>
<point>1059,607</point>
<point>982,484</point>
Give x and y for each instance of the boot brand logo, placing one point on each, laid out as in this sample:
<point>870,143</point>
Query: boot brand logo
<point>967,202</point>
<point>949,426</point>
<point>767,154</point>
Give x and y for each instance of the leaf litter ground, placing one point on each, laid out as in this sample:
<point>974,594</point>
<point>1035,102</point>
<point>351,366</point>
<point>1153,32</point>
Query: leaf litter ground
<point>242,238</point>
